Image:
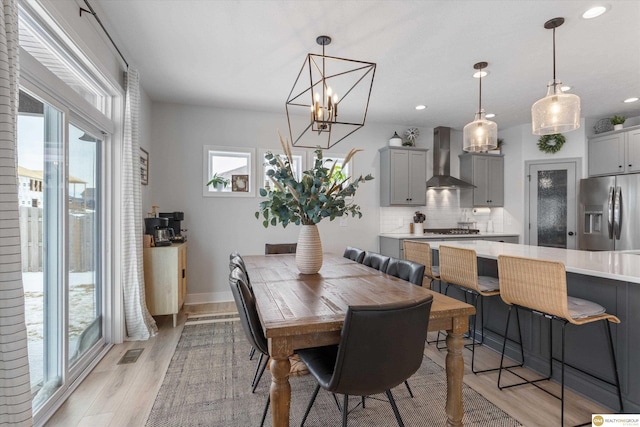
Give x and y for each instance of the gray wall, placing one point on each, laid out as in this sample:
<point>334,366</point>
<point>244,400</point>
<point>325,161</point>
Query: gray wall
<point>219,225</point>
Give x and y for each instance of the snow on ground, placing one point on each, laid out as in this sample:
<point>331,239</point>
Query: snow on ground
<point>82,311</point>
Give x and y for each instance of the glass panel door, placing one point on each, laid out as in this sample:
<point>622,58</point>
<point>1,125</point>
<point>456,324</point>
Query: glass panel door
<point>552,205</point>
<point>60,210</point>
<point>85,320</point>
<point>41,194</point>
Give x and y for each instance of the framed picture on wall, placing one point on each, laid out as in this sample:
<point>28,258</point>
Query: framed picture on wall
<point>240,183</point>
<point>144,167</point>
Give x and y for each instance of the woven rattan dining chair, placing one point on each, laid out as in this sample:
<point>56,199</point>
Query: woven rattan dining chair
<point>540,286</point>
<point>459,267</point>
<point>354,254</point>
<point>372,357</point>
<point>420,252</point>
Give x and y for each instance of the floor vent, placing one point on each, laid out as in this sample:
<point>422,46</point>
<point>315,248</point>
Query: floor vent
<point>131,356</point>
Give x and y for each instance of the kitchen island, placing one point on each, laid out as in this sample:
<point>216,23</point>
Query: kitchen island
<point>392,244</point>
<point>611,279</point>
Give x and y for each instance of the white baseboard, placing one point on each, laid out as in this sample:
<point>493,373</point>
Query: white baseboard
<point>208,297</point>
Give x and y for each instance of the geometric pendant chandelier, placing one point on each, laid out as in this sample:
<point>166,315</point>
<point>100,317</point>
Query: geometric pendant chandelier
<point>558,111</point>
<point>329,99</point>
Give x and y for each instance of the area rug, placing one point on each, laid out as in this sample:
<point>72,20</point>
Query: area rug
<point>207,384</point>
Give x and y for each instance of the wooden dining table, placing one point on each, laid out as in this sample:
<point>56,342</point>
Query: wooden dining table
<point>301,311</point>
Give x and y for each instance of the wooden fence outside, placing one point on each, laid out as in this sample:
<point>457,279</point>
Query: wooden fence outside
<point>81,240</point>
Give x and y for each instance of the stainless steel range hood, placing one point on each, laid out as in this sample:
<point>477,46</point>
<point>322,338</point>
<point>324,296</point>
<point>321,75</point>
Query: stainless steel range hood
<point>442,162</point>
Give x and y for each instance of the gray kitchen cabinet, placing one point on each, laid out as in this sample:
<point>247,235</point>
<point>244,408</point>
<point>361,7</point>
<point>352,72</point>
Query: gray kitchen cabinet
<point>615,153</point>
<point>486,172</point>
<point>403,176</point>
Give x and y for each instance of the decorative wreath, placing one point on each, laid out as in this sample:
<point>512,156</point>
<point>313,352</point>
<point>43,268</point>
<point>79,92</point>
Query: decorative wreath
<point>551,143</point>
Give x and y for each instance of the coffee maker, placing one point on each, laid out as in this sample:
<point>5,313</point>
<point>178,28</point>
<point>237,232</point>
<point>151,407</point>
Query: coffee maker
<point>175,218</point>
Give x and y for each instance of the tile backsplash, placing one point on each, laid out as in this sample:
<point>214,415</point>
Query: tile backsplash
<point>442,211</point>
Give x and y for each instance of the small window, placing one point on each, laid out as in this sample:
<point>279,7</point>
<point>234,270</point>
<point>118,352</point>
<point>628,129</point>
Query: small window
<point>299,165</point>
<point>329,159</point>
<point>231,169</point>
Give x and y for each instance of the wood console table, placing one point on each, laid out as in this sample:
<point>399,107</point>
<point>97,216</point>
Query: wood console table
<point>301,311</point>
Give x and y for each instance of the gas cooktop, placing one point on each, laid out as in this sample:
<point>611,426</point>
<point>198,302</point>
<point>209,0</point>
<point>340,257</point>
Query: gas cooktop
<point>451,231</point>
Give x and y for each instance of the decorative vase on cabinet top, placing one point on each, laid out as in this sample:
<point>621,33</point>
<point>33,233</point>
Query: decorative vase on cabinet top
<point>395,140</point>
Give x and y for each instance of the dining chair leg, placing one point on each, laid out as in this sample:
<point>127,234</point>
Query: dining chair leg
<point>252,352</point>
<point>259,372</point>
<point>313,399</point>
<point>335,399</point>
<point>406,383</point>
<point>266,409</point>
<point>392,402</point>
<point>345,410</point>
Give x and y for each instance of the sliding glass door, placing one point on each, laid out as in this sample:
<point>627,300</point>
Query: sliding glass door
<point>83,214</point>
<point>60,209</point>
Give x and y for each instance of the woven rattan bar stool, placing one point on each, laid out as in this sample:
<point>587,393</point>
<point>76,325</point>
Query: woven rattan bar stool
<point>420,252</point>
<point>459,267</point>
<point>541,287</point>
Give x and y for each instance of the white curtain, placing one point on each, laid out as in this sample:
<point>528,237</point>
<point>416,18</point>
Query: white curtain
<point>140,324</point>
<point>15,386</point>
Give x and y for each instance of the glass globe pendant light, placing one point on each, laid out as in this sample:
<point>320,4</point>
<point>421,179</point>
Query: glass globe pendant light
<point>557,112</point>
<point>481,134</point>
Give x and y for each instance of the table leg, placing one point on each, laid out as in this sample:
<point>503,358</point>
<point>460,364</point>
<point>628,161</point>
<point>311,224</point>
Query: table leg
<point>280,390</point>
<point>455,372</point>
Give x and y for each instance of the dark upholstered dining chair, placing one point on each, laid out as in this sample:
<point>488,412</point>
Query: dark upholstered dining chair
<point>376,260</point>
<point>280,248</point>
<point>406,270</point>
<point>248,313</point>
<point>354,254</point>
<point>235,260</point>
<point>372,357</point>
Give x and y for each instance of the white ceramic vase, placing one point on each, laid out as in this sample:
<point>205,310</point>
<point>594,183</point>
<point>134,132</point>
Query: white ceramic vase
<point>618,127</point>
<point>418,228</point>
<point>309,250</point>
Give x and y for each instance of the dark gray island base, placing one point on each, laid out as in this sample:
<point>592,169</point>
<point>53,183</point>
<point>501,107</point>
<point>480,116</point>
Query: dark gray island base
<point>610,279</point>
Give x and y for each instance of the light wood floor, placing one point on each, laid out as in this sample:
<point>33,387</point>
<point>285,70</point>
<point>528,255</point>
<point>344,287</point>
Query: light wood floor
<point>123,395</point>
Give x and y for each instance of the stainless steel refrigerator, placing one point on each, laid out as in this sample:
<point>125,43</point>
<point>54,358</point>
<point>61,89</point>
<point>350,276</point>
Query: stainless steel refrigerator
<point>609,213</point>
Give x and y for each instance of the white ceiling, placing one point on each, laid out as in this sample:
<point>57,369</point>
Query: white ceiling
<point>246,54</point>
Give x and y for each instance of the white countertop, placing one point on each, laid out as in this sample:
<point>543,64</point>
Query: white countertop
<point>445,236</point>
<point>607,264</point>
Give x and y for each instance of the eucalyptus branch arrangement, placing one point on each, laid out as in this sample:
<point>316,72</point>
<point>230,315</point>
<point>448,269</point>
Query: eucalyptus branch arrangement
<point>320,193</point>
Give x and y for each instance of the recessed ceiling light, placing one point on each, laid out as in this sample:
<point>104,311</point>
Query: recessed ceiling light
<point>594,12</point>
<point>634,99</point>
<point>420,107</point>
<point>490,115</point>
<point>566,88</point>
<point>481,73</point>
